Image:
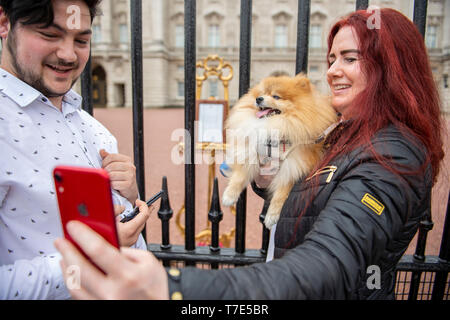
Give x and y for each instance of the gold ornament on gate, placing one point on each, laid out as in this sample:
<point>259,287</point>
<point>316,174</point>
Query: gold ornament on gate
<point>212,66</point>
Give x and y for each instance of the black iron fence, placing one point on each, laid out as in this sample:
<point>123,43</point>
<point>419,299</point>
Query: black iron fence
<point>418,276</point>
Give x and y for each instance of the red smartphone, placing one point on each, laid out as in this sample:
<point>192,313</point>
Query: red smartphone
<point>84,194</point>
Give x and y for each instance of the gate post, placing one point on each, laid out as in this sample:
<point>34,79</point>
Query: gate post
<point>189,118</point>
<point>244,84</point>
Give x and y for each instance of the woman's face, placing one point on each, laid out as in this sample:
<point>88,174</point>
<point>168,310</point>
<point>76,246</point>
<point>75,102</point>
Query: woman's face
<point>345,76</point>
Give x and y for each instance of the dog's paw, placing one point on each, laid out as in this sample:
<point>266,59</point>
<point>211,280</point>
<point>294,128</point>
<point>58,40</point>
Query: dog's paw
<point>227,202</point>
<point>271,219</point>
<point>230,197</point>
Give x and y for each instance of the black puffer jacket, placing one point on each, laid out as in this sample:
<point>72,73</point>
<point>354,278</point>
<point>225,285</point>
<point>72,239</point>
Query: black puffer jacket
<point>363,216</point>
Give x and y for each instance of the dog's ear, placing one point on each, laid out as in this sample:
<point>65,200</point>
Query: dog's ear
<point>303,82</point>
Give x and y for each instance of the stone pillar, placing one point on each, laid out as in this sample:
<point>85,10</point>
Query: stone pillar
<point>106,21</point>
<point>156,65</point>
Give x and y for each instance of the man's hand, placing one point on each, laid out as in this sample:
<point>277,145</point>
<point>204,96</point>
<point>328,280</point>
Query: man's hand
<point>129,232</point>
<point>128,273</point>
<point>122,173</point>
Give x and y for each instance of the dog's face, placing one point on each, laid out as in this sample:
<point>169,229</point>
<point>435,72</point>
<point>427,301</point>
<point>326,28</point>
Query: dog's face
<point>279,108</point>
<point>284,103</point>
<point>279,97</point>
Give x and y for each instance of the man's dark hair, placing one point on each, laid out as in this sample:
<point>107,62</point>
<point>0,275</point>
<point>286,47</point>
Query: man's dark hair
<point>37,11</point>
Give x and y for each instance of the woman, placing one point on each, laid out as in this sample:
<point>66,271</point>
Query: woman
<point>356,212</point>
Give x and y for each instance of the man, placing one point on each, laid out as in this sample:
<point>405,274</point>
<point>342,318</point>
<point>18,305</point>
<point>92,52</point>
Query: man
<point>46,45</point>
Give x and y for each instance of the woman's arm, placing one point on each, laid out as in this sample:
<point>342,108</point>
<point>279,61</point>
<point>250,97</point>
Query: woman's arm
<point>331,263</point>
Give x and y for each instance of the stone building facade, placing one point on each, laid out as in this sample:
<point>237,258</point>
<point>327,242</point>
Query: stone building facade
<point>273,45</point>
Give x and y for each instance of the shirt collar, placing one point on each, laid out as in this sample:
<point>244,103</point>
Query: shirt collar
<point>24,94</point>
<point>71,102</point>
<point>17,90</point>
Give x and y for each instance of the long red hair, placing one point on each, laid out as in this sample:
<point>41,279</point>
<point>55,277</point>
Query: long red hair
<point>400,90</point>
<point>400,86</point>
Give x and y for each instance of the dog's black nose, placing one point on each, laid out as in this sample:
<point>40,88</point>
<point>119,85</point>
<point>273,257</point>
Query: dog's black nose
<point>259,100</point>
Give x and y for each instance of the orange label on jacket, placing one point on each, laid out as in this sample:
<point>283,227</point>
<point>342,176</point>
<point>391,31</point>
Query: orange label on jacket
<point>373,204</point>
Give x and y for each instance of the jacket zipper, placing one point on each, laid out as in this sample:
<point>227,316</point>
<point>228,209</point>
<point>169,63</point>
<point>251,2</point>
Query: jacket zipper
<point>328,169</point>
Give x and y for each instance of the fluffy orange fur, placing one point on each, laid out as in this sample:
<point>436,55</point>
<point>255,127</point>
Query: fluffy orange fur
<point>293,115</point>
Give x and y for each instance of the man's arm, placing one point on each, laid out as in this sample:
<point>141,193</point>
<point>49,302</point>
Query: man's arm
<point>37,279</point>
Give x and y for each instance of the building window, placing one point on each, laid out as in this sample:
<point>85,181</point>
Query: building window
<point>281,36</point>
<point>313,68</point>
<point>96,33</point>
<point>180,89</point>
<point>119,94</point>
<point>315,36</point>
<point>445,78</point>
<point>179,36</point>
<point>431,37</point>
<point>123,33</point>
<point>213,36</point>
<point>213,89</point>
<point>279,74</point>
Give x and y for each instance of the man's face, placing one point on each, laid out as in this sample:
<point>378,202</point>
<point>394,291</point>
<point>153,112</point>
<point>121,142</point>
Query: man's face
<point>51,59</point>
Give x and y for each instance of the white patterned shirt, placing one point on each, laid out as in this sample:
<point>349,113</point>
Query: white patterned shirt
<point>35,136</point>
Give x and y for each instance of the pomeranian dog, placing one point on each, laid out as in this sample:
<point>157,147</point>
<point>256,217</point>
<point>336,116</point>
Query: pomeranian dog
<point>276,128</point>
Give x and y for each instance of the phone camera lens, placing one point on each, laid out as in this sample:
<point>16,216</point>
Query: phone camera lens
<point>58,177</point>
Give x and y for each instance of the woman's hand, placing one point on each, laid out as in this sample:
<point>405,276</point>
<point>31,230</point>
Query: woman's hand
<point>266,174</point>
<point>128,273</point>
<point>129,232</point>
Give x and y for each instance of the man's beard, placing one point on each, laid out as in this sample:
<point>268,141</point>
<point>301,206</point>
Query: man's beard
<point>31,78</point>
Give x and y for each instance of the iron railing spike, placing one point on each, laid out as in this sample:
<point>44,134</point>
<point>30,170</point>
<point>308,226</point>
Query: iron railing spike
<point>215,201</point>
<point>165,213</point>
<point>165,202</point>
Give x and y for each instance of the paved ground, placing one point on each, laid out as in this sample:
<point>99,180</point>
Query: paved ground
<point>160,146</point>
